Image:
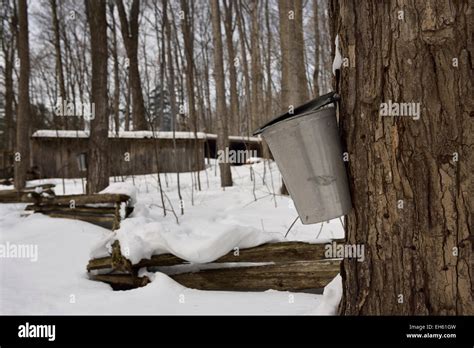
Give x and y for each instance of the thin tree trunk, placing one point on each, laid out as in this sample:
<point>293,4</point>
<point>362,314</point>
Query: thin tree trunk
<point>172,93</point>
<point>410,176</point>
<point>22,155</point>
<point>98,159</point>
<point>129,28</point>
<point>8,50</point>
<point>116,100</point>
<point>234,97</point>
<point>223,135</point>
<point>188,38</point>
<point>317,35</point>
<point>243,55</point>
<point>256,67</point>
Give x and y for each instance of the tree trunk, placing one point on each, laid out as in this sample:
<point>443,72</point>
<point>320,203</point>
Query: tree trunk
<point>294,82</point>
<point>256,67</point>
<point>98,159</point>
<point>222,136</point>
<point>234,97</point>
<point>62,121</point>
<point>243,55</point>
<point>8,49</point>
<point>129,28</point>
<point>116,101</point>
<point>22,155</point>
<point>188,38</point>
<point>317,36</point>
<point>409,176</point>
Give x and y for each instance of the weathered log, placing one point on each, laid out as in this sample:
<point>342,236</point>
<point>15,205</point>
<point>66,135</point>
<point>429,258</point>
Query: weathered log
<point>99,220</point>
<point>291,276</point>
<point>121,281</point>
<point>67,209</point>
<point>272,252</point>
<point>99,198</point>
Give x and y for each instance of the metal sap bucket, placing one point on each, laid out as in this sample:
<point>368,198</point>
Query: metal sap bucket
<point>308,152</point>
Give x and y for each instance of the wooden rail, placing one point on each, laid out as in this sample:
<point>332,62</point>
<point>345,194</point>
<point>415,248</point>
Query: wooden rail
<point>295,266</point>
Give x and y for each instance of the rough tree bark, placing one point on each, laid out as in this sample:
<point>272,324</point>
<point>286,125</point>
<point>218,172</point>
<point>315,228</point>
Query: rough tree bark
<point>98,159</point>
<point>410,182</point>
<point>223,134</point>
<point>22,153</point>
<point>129,28</point>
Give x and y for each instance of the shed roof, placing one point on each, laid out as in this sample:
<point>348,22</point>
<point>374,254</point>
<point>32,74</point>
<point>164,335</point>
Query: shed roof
<point>51,133</point>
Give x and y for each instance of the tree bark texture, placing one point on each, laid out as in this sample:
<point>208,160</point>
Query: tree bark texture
<point>22,153</point>
<point>98,159</point>
<point>223,133</point>
<point>410,179</point>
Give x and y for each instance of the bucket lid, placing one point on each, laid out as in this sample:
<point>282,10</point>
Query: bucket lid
<point>311,106</point>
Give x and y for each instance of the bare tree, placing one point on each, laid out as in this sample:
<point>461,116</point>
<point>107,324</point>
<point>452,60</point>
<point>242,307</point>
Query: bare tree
<point>98,159</point>
<point>187,24</point>
<point>59,61</point>
<point>246,74</point>
<point>22,155</point>
<point>129,28</point>
<point>294,82</point>
<point>221,109</point>
<point>116,99</point>
<point>8,33</point>
<point>317,51</point>
<point>234,97</point>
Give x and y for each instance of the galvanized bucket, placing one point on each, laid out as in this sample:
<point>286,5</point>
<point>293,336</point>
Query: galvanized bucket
<point>308,152</point>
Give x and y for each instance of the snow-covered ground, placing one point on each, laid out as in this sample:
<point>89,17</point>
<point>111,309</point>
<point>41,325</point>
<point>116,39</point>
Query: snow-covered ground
<point>214,222</point>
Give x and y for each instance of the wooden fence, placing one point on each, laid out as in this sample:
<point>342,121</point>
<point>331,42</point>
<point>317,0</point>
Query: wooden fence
<point>286,266</point>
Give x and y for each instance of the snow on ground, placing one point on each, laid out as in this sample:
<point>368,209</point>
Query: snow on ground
<point>214,220</point>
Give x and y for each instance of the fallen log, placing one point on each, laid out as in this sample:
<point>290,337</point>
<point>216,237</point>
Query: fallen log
<point>67,209</point>
<point>272,252</point>
<point>292,276</point>
<point>108,222</point>
<point>98,198</point>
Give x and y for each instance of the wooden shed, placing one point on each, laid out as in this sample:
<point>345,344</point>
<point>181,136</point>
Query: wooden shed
<point>63,153</point>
